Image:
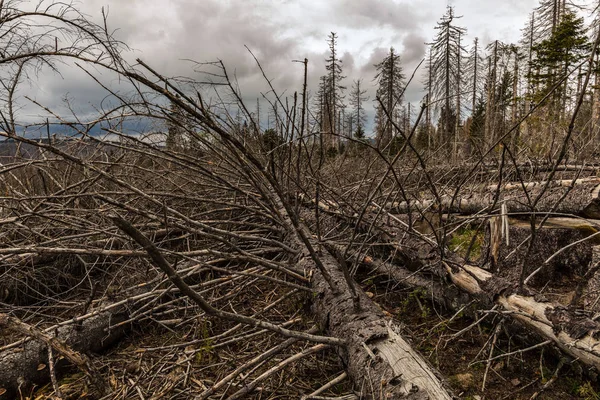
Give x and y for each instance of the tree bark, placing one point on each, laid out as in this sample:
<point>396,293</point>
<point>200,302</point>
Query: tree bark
<point>573,334</point>
<point>378,359</point>
<point>583,200</point>
<point>19,367</point>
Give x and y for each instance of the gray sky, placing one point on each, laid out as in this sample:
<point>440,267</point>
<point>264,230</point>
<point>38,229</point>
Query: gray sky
<point>164,33</point>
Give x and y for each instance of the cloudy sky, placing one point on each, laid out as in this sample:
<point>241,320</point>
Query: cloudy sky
<point>164,33</point>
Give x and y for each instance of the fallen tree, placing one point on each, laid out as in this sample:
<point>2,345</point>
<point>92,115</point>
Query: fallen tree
<point>447,296</point>
<point>582,199</point>
<point>29,363</point>
<point>575,334</point>
<point>379,359</point>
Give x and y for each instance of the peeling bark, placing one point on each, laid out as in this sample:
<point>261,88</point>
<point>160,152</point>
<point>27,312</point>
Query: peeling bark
<point>19,367</point>
<point>374,349</point>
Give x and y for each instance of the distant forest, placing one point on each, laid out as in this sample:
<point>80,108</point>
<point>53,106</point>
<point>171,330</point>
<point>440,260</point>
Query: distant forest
<point>479,96</point>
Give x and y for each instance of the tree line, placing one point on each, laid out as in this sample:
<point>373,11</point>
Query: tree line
<point>477,96</point>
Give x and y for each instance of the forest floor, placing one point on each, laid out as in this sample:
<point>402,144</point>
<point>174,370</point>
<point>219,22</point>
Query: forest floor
<point>153,359</point>
<point>173,350</point>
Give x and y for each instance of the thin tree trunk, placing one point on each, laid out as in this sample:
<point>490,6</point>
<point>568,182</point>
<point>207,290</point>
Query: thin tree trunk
<point>428,109</point>
<point>490,112</point>
<point>515,102</point>
<point>475,65</point>
<point>458,89</point>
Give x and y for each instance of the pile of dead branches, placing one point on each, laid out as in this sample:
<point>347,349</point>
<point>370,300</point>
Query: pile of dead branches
<point>201,260</point>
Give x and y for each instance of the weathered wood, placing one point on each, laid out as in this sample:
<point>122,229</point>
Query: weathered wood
<point>80,360</point>
<point>584,224</point>
<point>19,366</point>
<point>378,359</point>
<point>575,335</point>
<point>538,184</point>
<point>583,199</point>
<point>577,223</point>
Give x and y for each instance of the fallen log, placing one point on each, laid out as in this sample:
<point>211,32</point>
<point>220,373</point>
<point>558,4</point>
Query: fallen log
<point>583,224</point>
<point>582,200</point>
<point>576,335</point>
<point>22,367</point>
<point>378,359</point>
<point>447,296</point>
<point>562,248</point>
<point>80,360</point>
<point>538,184</point>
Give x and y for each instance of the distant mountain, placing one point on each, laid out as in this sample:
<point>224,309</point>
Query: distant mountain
<point>12,150</point>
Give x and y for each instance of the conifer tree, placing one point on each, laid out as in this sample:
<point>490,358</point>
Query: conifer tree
<point>390,92</point>
<point>474,72</point>
<point>334,97</point>
<point>566,47</point>
<point>427,129</point>
<point>596,75</point>
<point>528,40</point>
<point>549,16</point>
<point>323,108</point>
<point>357,101</point>
<point>446,54</point>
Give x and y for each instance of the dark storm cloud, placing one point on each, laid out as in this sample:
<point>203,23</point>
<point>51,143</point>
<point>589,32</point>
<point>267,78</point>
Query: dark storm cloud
<point>377,54</point>
<point>413,48</point>
<point>349,62</point>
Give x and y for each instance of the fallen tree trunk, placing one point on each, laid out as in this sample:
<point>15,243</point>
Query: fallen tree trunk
<point>589,225</point>
<point>573,334</point>
<point>447,296</point>
<point>562,248</point>
<point>582,200</point>
<point>538,184</point>
<point>80,360</point>
<point>27,365</point>
<point>576,335</point>
<point>378,359</point>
